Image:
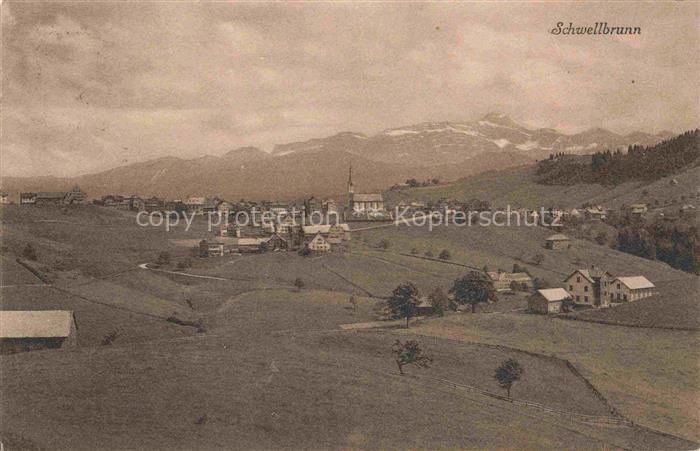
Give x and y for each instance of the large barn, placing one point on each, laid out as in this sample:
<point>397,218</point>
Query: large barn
<point>36,329</point>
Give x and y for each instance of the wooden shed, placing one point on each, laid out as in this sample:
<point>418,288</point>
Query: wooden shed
<point>36,329</point>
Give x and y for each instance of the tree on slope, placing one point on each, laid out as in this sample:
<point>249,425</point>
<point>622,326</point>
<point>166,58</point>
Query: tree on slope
<point>473,289</point>
<point>404,300</point>
<point>508,373</point>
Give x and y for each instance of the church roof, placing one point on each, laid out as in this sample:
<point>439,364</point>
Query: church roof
<point>372,197</point>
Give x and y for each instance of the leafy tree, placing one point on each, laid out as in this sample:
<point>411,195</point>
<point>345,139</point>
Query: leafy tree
<point>473,289</point>
<point>163,258</point>
<point>444,255</point>
<point>428,253</point>
<point>410,353</point>
<point>353,303</point>
<point>508,373</point>
<point>29,252</point>
<point>299,283</point>
<point>414,251</point>
<point>384,244</point>
<point>439,301</point>
<point>539,284</point>
<point>404,301</point>
<point>304,251</point>
<point>184,264</point>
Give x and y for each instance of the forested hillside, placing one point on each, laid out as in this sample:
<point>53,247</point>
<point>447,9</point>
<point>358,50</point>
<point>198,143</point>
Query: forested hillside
<point>639,163</point>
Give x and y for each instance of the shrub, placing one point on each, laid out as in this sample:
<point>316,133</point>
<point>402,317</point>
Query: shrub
<point>29,252</point>
<point>384,244</point>
<point>299,283</point>
<point>163,258</point>
<point>184,264</point>
<point>304,251</point>
<point>414,251</point>
<point>428,253</point>
<point>444,255</point>
<point>109,338</point>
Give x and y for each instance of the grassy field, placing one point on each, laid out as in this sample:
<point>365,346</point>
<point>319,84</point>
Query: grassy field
<point>270,368</point>
<point>516,187</point>
<point>650,375</point>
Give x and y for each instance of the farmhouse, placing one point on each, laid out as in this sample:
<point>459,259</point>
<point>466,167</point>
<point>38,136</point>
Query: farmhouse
<point>595,213</point>
<point>318,244</point>
<point>38,329</point>
<point>557,241</point>
<point>637,209</point>
<point>251,244</point>
<point>502,280</point>
<point>49,198</point>
<point>589,287</point>
<point>628,289</point>
<point>195,205</point>
<point>548,300</point>
<point>211,248</point>
<point>75,196</point>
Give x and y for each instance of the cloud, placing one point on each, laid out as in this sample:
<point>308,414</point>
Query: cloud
<point>88,86</point>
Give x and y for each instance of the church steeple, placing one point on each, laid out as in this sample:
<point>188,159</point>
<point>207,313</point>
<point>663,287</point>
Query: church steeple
<point>351,187</point>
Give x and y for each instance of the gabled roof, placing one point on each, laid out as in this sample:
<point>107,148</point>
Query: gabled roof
<point>252,241</point>
<point>314,229</point>
<point>369,197</point>
<point>35,323</point>
<point>589,274</point>
<point>318,238</point>
<point>636,282</point>
<point>558,237</point>
<point>554,294</point>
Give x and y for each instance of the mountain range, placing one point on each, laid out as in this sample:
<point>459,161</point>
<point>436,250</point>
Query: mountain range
<point>443,150</point>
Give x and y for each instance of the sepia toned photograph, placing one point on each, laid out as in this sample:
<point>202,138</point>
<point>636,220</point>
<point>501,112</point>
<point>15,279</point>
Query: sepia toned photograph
<point>349,225</point>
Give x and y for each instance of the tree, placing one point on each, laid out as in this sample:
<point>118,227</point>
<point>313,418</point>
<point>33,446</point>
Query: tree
<point>403,302</point>
<point>29,252</point>
<point>428,253</point>
<point>384,244</point>
<point>410,353</point>
<point>508,373</point>
<point>439,301</point>
<point>299,283</point>
<point>444,255</point>
<point>472,289</point>
<point>184,264</point>
<point>353,303</point>
<point>414,251</point>
<point>163,258</point>
<point>304,251</point>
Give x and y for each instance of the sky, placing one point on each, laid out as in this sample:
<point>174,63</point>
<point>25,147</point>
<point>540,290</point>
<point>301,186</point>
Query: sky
<point>87,87</point>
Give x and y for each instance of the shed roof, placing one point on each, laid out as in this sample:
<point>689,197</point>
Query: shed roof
<point>558,237</point>
<point>636,282</point>
<point>35,323</point>
<point>554,294</point>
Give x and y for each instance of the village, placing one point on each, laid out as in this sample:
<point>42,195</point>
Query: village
<point>310,227</point>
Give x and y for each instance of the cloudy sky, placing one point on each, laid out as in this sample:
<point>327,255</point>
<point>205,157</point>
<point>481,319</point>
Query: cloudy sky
<point>87,87</point>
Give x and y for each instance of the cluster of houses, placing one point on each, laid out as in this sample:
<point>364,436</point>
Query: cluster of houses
<point>591,288</point>
<point>285,233</point>
<point>74,196</point>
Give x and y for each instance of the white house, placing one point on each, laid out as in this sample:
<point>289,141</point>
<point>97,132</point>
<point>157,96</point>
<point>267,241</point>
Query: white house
<point>628,289</point>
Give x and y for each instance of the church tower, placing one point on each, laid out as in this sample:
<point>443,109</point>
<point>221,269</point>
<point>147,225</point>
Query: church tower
<point>351,189</point>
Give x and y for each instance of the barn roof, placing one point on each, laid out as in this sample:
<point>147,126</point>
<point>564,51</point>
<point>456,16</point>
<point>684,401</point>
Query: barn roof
<point>558,237</point>
<point>35,323</point>
<point>373,197</point>
<point>554,294</point>
<point>636,282</point>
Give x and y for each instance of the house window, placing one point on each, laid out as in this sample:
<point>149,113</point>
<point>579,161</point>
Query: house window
<point>618,296</point>
<point>585,288</point>
<point>624,297</point>
<point>578,298</point>
<point>618,286</point>
<point>571,288</point>
<point>578,279</point>
<point>585,299</point>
